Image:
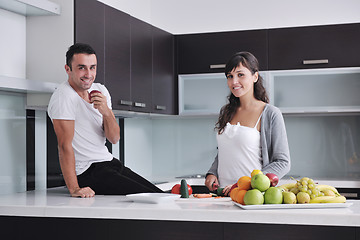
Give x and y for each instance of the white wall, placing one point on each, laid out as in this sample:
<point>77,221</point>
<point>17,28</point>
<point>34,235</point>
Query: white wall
<point>48,38</point>
<point>12,44</point>
<point>189,16</point>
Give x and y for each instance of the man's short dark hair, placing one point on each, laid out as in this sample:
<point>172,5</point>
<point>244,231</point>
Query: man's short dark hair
<point>76,49</point>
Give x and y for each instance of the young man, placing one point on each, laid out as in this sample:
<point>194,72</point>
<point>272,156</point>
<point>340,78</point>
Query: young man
<point>82,123</point>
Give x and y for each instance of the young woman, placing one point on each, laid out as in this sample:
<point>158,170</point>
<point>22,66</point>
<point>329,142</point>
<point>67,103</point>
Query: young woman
<point>251,133</point>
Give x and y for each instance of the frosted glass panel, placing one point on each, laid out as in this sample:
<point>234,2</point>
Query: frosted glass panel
<point>203,93</point>
<point>325,91</point>
<point>13,143</point>
<point>324,146</point>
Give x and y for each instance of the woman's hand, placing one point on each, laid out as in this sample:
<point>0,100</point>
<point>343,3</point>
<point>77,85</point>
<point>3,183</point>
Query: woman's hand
<point>211,182</point>
<point>227,189</point>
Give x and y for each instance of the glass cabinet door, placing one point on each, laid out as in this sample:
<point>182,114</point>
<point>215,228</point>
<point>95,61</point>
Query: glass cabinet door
<point>316,90</point>
<point>202,93</point>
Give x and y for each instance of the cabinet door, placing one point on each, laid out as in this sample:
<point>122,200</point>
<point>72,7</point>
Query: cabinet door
<point>117,52</point>
<point>164,88</point>
<point>89,28</point>
<point>209,52</point>
<point>319,46</point>
<point>141,65</point>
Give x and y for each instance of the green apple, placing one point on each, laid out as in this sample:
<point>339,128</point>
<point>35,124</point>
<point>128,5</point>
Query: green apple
<point>273,196</point>
<point>253,197</point>
<point>289,198</point>
<point>260,182</point>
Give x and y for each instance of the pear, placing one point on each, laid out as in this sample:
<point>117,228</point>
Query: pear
<point>289,198</point>
<point>295,190</point>
<point>303,197</point>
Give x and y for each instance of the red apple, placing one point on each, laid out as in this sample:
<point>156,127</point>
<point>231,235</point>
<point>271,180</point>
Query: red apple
<point>92,92</point>
<point>233,186</point>
<point>274,179</point>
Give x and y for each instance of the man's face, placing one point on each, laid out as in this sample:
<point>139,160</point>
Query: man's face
<point>83,71</point>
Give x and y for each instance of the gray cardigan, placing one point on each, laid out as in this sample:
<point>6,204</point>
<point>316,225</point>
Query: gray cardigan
<point>274,144</point>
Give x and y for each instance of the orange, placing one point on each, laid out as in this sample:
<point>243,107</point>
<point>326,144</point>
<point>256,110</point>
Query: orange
<point>244,183</point>
<point>233,193</point>
<point>239,198</point>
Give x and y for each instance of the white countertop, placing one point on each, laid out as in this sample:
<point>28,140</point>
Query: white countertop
<point>56,202</point>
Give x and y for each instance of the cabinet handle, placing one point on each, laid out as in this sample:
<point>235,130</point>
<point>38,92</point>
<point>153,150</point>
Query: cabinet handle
<point>319,61</point>
<point>159,107</point>
<point>216,66</point>
<point>140,105</point>
<point>124,102</point>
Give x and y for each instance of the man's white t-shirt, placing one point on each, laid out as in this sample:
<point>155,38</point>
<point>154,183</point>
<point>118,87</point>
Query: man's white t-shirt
<point>89,136</point>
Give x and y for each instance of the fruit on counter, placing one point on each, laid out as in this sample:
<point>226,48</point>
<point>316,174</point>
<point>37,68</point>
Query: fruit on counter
<point>328,192</point>
<point>303,197</point>
<point>273,196</point>
<point>233,186</point>
<point>255,171</point>
<point>253,197</point>
<point>176,189</point>
<point>324,188</point>
<point>92,92</point>
<point>184,191</point>
<point>233,193</point>
<point>329,199</point>
<point>260,182</point>
<point>289,197</point>
<point>288,186</point>
<point>274,179</point>
<point>244,183</point>
<point>239,197</point>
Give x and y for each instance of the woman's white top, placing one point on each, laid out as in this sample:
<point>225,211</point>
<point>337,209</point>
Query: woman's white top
<point>239,152</point>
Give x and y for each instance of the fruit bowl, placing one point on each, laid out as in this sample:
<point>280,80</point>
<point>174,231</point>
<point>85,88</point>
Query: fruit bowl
<point>293,206</point>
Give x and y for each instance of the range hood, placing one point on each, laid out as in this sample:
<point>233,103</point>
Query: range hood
<point>31,7</point>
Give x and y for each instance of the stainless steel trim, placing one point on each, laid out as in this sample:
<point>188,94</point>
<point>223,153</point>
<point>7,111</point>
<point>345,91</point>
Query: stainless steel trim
<point>355,195</point>
<point>216,66</point>
<point>160,107</point>
<point>318,61</point>
<point>140,105</point>
<point>124,102</point>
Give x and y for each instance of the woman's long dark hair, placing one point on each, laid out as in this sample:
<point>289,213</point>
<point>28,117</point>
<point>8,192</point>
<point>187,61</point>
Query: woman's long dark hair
<point>228,111</point>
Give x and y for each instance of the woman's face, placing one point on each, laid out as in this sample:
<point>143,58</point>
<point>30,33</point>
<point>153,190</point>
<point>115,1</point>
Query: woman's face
<point>241,81</point>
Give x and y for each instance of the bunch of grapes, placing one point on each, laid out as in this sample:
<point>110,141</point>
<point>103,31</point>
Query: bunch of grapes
<point>307,185</point>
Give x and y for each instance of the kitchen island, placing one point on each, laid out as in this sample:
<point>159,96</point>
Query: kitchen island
<point>53,214</point>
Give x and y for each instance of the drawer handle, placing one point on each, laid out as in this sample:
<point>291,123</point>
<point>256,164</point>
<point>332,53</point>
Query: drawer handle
<point>124,102</point>
<point>140,105</point>
<point>217,66</point>
<point>319,61</point>
<point>159,107</point>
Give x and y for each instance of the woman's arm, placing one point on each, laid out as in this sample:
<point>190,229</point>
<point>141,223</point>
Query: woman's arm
<point>277,145</point>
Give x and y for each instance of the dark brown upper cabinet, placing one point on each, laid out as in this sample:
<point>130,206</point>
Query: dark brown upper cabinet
<point>89,28</point>
<point>164,90</point>
<point>117,58</point>
<point>209,52</point>
<point>314,47</point>
<point>141,65</point>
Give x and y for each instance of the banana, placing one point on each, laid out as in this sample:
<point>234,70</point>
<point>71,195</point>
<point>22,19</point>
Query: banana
<point>323,187</point>
<point>338,199</point>
<point>320,199</point>
<point>288,186</point>
<point>329,199</point>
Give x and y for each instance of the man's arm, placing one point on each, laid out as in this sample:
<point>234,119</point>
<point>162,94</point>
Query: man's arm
<point>111,127</point>
<point>64,130</point>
